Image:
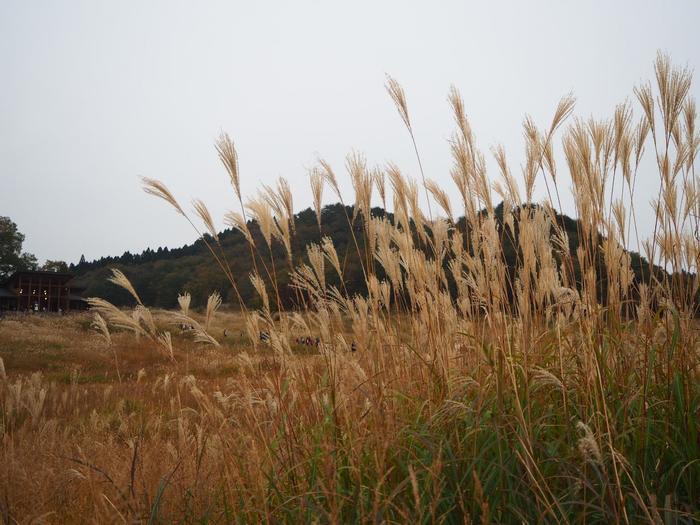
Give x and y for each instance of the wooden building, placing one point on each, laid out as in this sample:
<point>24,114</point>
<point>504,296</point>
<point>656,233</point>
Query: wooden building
<point>41,292</point>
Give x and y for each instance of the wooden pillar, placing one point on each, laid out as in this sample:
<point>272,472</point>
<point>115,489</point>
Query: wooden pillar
<point>19,294</point>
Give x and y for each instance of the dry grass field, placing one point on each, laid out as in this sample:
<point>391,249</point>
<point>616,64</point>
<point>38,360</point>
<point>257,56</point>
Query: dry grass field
<point>64,407</point>
<point>225,434</point>
<point>563,388</point>
<point>66,347</point>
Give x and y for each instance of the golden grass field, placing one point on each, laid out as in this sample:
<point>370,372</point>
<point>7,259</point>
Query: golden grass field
<point>561,387</point>
<point>65,410</point>
<point>64,346</point>
<point>229,434</point>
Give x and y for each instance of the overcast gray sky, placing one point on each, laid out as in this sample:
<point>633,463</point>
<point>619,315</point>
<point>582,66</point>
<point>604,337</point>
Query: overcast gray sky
<point>94,94</point>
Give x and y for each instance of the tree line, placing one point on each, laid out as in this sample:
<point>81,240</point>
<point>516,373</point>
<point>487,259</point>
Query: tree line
<point>160,275</point>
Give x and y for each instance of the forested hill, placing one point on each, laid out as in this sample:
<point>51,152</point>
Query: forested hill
<point>160,275</point>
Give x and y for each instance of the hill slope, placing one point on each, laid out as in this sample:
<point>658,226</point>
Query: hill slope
<point>160,275</point>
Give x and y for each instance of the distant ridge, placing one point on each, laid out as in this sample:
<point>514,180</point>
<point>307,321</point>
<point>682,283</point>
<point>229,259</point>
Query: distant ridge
<point>160,275</point>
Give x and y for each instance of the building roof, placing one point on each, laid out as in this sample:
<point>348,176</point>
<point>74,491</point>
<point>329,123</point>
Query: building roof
<point>61,277</point>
